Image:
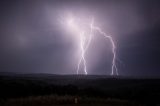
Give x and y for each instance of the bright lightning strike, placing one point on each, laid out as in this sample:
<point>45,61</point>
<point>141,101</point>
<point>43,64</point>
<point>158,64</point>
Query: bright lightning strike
<point>114,67</point>
<point>85,41</point>
<point>84,49</point>
<point>82,44</point>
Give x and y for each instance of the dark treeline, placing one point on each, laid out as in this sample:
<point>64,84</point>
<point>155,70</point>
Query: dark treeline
<point>139,90</point>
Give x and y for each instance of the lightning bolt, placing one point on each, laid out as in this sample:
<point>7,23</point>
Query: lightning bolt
<point>85,42</point>
<point>109,37</point>
<point>84,49</point>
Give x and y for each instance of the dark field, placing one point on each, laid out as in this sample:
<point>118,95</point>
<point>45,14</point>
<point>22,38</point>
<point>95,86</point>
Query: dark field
<point>49,90</point>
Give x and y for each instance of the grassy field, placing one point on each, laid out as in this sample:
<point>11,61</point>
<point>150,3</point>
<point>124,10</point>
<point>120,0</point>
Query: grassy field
<point>52,90</point>
<point>55,100</point>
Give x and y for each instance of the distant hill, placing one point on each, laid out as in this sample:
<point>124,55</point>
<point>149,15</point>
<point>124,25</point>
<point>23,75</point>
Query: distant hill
<point>43,75</point>
<point>130,88</point>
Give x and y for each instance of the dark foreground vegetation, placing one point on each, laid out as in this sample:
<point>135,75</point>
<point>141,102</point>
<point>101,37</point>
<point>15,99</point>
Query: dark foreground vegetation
<point>49,90</point>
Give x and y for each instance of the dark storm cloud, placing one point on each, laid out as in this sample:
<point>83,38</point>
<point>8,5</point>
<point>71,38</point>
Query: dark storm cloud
<point>31,39</point>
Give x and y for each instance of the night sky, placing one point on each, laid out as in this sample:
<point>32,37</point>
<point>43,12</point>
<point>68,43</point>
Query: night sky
<point>32,39</point>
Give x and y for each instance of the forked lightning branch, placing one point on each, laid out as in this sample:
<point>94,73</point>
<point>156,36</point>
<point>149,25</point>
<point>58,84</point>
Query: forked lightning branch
<point>85,39</point>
